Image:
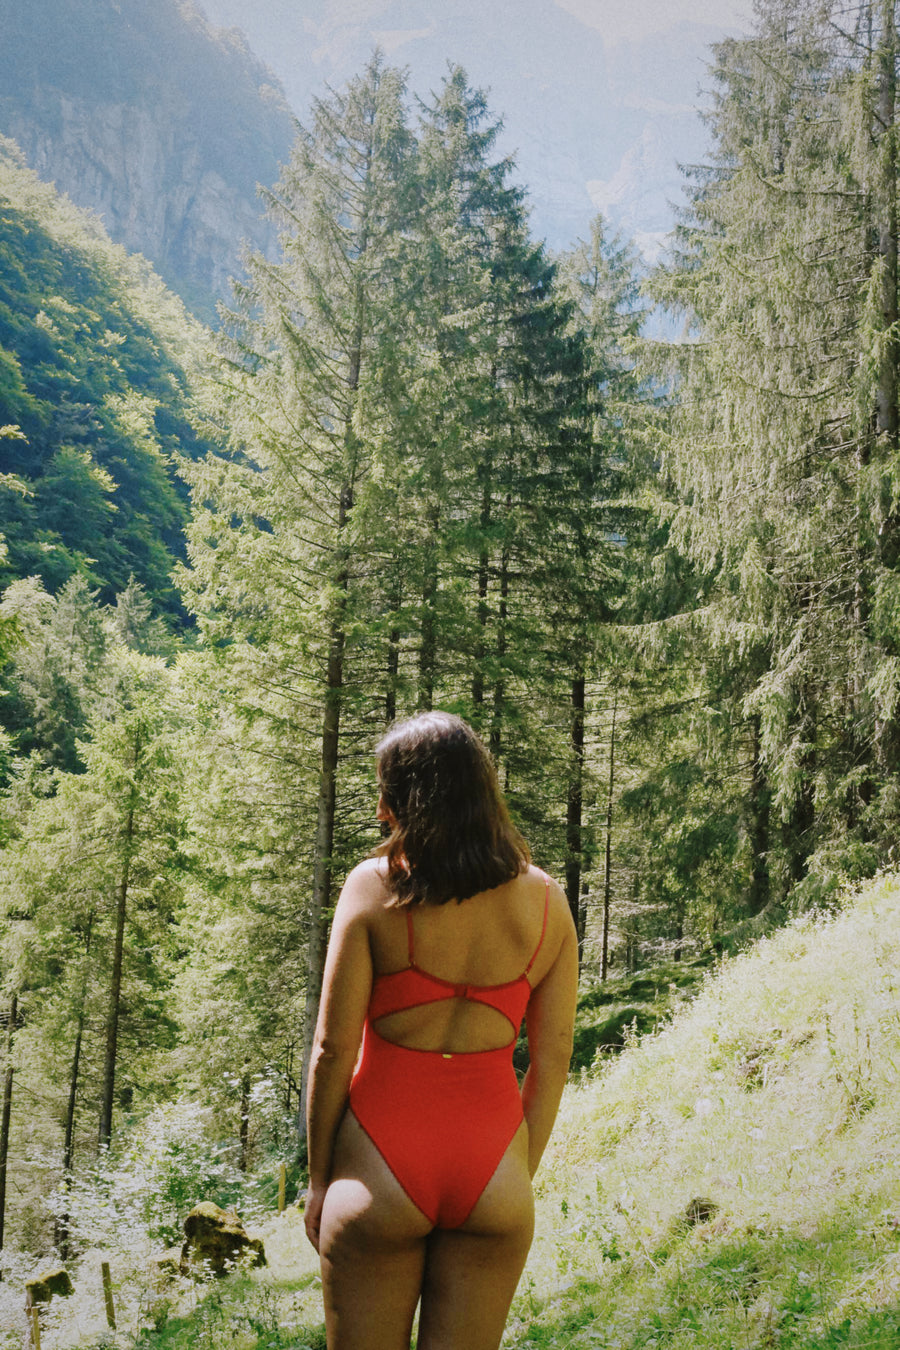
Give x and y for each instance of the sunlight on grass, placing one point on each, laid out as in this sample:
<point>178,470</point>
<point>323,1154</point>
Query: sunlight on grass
<point>774,1100</point>
<point>279,1307</point>
<point>730,1181</point>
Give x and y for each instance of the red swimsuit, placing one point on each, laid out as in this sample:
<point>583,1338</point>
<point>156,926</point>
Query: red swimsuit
<point>442,1122</point>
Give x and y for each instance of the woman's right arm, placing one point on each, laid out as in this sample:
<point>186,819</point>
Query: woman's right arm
<point>550,1023</point>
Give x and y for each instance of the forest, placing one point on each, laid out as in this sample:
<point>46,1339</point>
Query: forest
<point>423,462</point>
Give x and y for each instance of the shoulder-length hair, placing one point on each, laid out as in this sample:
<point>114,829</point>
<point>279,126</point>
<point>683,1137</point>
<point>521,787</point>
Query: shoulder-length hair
<point>453,835</point>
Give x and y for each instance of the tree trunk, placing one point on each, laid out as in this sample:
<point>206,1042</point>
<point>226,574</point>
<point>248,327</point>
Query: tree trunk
<point>115,990</point>
<point>607,871</point>
<point>760,807</point>
<point>7,1113</point>
<point>486,473</point>
<point>887,731</point>
<point>679,933</point>
<point>322,868</point>
<point>797,829</point>
<point>393,674</point>
<point>62,1224</point>
<point>500,682</point>
<point>244,1157</point>
<point>574,797</point>
<point>428,640</point>
<point>887,224</point>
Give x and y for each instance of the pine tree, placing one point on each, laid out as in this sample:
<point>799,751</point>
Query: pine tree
<point>599,277</point>
<point>296,535</point>
<point>786,441</point>
<point>90,884</point>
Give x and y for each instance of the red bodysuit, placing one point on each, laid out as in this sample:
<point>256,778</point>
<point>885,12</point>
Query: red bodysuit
<point>442,1122</point>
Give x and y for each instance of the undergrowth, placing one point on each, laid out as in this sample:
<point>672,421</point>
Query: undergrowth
<point>729,1181</point>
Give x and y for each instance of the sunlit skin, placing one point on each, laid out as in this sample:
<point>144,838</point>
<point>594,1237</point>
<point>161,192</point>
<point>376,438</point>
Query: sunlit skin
<point>379,1253</point>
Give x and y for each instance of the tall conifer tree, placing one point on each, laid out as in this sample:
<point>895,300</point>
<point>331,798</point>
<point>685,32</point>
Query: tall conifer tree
<point>785,449</point>
<point>296,535</point>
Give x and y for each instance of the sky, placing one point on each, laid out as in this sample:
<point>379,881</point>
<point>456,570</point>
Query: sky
<point>630,20</point>
<point>598,98</point>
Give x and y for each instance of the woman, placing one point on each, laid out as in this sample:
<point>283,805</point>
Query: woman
<point>422,1188</point>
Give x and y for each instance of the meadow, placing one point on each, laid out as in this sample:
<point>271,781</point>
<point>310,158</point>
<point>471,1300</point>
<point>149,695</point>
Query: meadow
<point>727,1181</point>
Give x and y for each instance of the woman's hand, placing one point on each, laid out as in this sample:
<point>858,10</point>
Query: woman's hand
<point>312,1213</point>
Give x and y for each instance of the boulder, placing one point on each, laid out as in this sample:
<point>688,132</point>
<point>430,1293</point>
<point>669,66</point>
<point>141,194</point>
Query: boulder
<point>216,1240</point>
<point>44,1287</point>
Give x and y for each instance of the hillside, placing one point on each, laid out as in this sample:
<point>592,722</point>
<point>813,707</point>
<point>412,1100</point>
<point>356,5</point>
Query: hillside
<point>727,1182</point>
<point>774,1101</point>
<point>149,117</point>
<point>94,394</point>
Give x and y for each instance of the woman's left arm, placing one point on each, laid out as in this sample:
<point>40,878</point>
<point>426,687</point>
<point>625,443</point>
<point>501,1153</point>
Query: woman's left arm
<point>346,987</point>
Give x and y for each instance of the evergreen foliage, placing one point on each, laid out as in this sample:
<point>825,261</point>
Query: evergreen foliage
<point>411,484</point>
<point>781,457</point>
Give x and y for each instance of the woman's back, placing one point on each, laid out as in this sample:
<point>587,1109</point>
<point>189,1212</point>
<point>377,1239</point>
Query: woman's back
<point>422,1141</point>
<point>455,978</point>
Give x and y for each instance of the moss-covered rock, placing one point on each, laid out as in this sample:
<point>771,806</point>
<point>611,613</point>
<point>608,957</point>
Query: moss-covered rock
<point>216,1241</point>
<point>52,1284</point>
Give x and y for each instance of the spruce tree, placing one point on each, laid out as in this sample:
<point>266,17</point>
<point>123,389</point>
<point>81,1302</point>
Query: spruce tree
<point>289,534</point>
<point>785,442</point>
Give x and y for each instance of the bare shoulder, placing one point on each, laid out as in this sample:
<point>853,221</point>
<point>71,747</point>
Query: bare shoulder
<point>365,890</point>
<point>558,905</point>
<point>560,930</point>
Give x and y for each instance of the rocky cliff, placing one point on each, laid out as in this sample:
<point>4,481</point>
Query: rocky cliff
<point>164,126</point>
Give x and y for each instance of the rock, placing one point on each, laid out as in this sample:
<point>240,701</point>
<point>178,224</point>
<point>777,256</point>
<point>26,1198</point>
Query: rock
<point>150,118</point>
<point>52,1283</point>
<point>215,1240</point>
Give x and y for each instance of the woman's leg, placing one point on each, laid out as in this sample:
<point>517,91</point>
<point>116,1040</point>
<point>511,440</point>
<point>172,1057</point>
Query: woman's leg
<point>471,1272</point>
<point>372,1249</point>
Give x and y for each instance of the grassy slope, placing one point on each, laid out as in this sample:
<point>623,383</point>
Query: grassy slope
<point>775,1095</point>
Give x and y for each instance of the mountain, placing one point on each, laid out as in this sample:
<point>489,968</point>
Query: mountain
<point>146,115</point>
<point>584,104</point>
<point>95,401</point>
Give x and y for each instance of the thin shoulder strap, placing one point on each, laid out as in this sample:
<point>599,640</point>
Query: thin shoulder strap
<point>543,929</point>
<point>409,935</point>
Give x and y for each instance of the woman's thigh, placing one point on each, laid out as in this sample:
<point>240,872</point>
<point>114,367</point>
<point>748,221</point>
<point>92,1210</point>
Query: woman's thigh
<point>471,1272</point>
<point>372,1249</point>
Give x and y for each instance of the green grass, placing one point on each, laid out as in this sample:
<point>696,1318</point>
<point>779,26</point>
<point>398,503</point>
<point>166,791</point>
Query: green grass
<point>242,1312</point>
<point>277,1308</point>
<point>772,1096</point>
<point>615,1011</point>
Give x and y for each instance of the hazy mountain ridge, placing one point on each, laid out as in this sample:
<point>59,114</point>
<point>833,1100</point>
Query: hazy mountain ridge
<point>164,124</point>
<point>151,118</point>
<point>581,114</point>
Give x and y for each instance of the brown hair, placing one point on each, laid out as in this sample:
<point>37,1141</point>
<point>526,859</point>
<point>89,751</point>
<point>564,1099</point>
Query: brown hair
<point>453,836</point>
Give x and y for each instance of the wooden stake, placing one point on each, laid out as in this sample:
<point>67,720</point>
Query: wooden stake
<point>107,1294</point>
<point>282,1183</point>
<point>34,1326</point>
